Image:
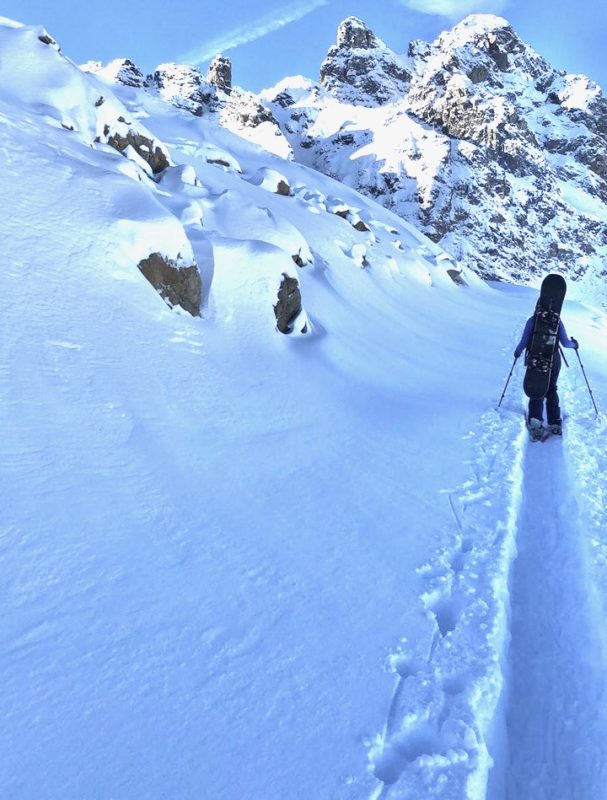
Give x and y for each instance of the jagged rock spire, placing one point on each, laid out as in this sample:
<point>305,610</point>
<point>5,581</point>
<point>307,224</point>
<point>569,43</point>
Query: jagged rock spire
<point>352,33</point>
<point>220,73</point>
<point>360,69</point>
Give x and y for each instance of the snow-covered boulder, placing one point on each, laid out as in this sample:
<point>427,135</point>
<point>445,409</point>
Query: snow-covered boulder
<point>177,284</point>
<point>272,180</point>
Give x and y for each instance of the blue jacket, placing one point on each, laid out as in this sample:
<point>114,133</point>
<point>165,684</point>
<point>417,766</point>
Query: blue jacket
<point>528,333</point>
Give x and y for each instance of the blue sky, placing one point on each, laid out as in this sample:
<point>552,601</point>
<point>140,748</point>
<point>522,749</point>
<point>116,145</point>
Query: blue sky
<point>271,40</point>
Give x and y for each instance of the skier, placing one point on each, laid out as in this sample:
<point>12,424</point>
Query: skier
<point>535,417</point>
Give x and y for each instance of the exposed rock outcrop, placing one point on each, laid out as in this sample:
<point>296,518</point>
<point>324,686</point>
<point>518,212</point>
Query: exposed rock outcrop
<point>183,86</point>
<point>215,97</point>
<point>120,70</point>
<point>288,307</point>
<point>220,73</point>
<point>147,149</point>
<point>361,69</point>
<point>177,285</point>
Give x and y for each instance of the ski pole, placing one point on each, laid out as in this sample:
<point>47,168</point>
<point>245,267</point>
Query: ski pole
<point>508,380</point>
<point>586,379</point>
<point>563,356</point>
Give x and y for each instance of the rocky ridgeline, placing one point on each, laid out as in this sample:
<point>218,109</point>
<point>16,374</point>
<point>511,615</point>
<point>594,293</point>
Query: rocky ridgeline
<point>187,88</point>
<point>473,138</point>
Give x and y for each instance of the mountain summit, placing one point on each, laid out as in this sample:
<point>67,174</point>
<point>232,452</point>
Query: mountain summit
<point>475,138</point>
<point>361,69</point>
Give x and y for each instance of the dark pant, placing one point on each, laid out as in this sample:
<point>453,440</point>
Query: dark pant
<point>553,411</point>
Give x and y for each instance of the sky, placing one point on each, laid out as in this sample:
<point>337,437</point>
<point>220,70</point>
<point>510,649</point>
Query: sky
<point>269,41</point>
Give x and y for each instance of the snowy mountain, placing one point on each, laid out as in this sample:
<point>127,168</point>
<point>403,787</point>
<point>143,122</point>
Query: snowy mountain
<point>474,138</point>
<point>259,513</point>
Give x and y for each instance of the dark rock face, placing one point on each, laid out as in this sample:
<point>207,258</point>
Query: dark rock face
<point>149,152</point>
<point>178,286</point>
<point>361,69</point>
<point>220,73</point>
<point>354,34</point>
<point>129,74</point>
<point>289,304</point>
<point>478,73</point>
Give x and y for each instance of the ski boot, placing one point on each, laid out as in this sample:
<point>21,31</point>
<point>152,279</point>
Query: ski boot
<point>537,432</point>
<point>556,428</point>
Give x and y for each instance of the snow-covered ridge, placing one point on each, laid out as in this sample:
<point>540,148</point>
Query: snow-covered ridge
<point>472,144</point>
<point>101,108</point>
<point>471,138</point>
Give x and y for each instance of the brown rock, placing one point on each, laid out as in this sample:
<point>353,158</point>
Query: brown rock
<point>289,303</point>
<point>456,277</point>
<point>153,156</point>
<point>220,73</point>
<point>178,286</point>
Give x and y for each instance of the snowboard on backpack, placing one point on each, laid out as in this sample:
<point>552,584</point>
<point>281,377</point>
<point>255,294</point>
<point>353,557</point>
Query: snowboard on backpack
<point>544,340</point>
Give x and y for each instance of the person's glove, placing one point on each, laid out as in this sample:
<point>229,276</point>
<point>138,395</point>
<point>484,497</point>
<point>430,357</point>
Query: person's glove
<point>575,343</point>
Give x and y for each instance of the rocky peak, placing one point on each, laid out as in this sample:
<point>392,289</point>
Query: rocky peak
<point>489,150</point>
<point>182,86</point>
<point>361,69</point>
<point>489,42</point>
<point>120,70</point>
<point>220,73</point>
<point>353,34</point>
<point>478,82</point>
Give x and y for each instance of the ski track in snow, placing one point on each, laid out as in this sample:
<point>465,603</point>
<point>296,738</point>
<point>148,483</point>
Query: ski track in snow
<point>556,731</point>
<point>556,719</point>
<point>508,701</point>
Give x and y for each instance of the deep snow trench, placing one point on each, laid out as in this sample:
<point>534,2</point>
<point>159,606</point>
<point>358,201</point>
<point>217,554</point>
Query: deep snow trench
<point>555,716</point>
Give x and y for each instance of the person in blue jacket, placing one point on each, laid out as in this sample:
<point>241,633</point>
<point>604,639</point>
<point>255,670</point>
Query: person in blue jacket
<point>535,416</point>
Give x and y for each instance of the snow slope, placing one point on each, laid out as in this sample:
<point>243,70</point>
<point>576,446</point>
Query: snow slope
<point>239,564</point>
